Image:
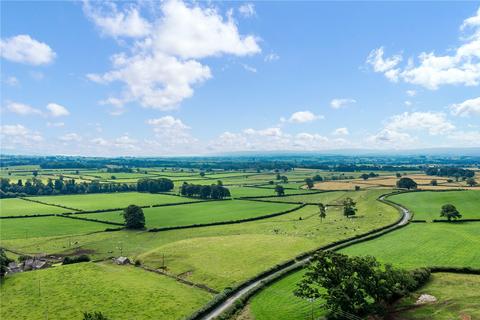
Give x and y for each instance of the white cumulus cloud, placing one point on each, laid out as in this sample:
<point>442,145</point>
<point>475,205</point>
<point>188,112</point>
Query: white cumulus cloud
<point>468,107</point>
<point>57,110</point>
<point>163,68</point>
<point>462,67</point>
<point>341,102</point>
<point>24,49</point>
<point>22,109</point>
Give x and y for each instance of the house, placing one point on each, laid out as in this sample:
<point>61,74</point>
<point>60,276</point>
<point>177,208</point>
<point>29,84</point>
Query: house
<point>13,267</point>
<point>122,260</point>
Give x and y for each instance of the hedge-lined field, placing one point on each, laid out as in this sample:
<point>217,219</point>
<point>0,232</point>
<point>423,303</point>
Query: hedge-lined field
<point>427,205</point>
<point>197,213</point>
<point>224,255</point>
<point>458,296</point>
<point>119,292</point>
<point>426,244</point>
<point>19,207</point>
<point>277,301</point>
<point>101,201</point>
<point>30,228</point>
<point>238,192</point>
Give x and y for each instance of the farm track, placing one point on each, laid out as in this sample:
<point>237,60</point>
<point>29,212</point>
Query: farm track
<point>247,291</point>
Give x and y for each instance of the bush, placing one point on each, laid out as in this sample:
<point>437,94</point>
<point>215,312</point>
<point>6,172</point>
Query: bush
<point>94,316</point>
<point>76,259</point>
<point>134,217</point>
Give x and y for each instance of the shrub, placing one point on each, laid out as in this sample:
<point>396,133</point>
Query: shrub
<point>94,316</point>
<point>76,259</point>
<point>134,217</point>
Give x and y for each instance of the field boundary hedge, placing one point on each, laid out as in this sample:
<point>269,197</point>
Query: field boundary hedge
<point>291,265</point>
<point>92,220</point>
<point>50,204</point>
<point>457,221</point>
<point>288,195</point>
<point>461,270</point>
<point>219,223</point>
<point>29,216</point>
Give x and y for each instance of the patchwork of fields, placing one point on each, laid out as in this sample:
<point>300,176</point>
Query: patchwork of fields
<point>222,256</point>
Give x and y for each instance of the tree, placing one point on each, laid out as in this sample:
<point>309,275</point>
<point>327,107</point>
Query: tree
<point>434,182</point>
<point>280,191</point>
<point>365,176</point>
<point>4,261</point>
<point>94,316</point>
<point>134,217</point>
<point>406,183</point>
<point>317,178</point>
<point>284,179</point>
<point>309,182</point>
<point>356,285</point>
<point>322,211</point>
<point>450,212</point>
<point>202,174</point>
<point>471,182</point>
<point>399,175</point>
<point>349,207</point>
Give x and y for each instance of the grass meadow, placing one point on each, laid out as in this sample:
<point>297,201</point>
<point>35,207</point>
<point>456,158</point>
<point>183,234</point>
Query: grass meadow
<point>197,213</point>
<point>426,244</point>
<point>457,298</point>
<point>101,201</point>
<point>427,205</point>
<point>20,207</point>
<point>119,292</point>
<point>28,228</point>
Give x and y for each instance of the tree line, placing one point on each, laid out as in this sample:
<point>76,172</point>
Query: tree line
<point>32,187</point>
<point>214,191</point>
<point>458,173</point>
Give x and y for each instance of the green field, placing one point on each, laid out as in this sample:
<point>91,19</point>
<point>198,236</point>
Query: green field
<point>119,292</point>
<point>201,212</point>
<point>277,301</point>
<point>427,205</point>
<point>458,298</point>
<point>19,207</point>
<point>225,255</point>
<point>100,201</point>
<point>426,244</point>
<point>26,228</point>
<point>237,192</point>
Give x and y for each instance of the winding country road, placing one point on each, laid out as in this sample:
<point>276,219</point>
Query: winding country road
<point>218,310</point>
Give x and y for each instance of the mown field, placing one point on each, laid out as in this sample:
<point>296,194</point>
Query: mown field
<point>28,228</point>
<point>20,207</point>
<point>197,213</point>
<point>277,301</point>
<point>101,201</point>
<point>427,205</point>
<point>119,292</point>
<point>426,244</point>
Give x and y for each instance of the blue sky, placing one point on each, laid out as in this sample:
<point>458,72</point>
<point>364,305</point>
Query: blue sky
<point>167,78</point>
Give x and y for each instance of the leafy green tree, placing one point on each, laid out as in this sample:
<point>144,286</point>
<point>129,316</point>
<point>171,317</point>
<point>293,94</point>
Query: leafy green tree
<point>279,190</point>
<point>450,212</point>
<point>309,182</point>
<point>406,183</point>
<point>322,211</point>
<point>349,207</point>
<point>284,179</point>
<point>4,261</point>
<point>134,217</point>
<point>356,285</point>
<point>365,176</point>
<point>94,316</point>
<point>434,182</point>
<point>471,182</point>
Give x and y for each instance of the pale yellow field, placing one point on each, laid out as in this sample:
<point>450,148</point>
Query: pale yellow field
<point>422,180</point>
